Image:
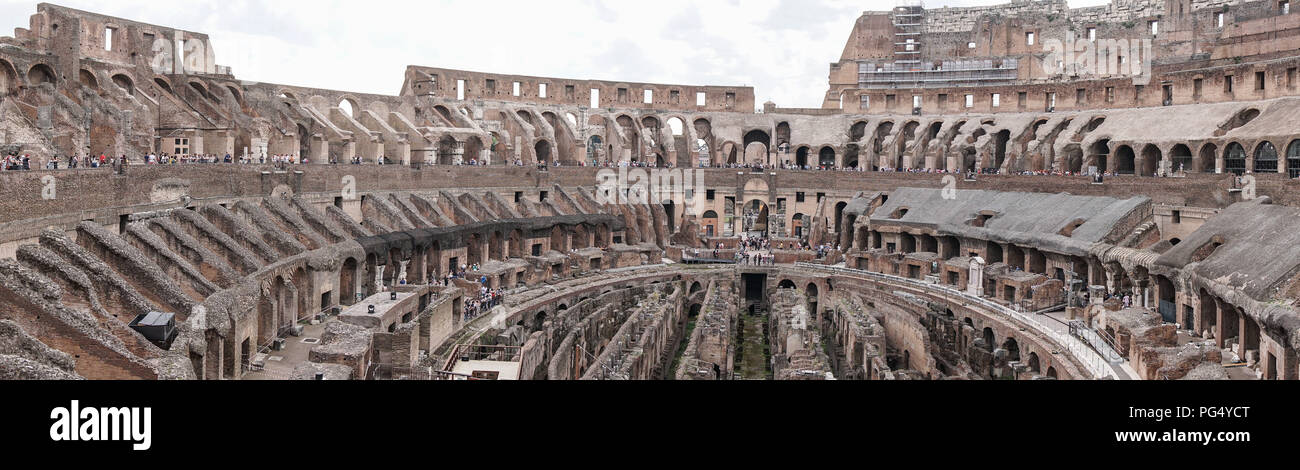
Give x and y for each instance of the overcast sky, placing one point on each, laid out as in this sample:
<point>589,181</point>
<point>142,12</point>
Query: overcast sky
<point>780,47</point>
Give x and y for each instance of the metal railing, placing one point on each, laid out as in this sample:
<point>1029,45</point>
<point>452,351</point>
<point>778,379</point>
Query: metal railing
<point>481,352</point>
<point>1100,341</point>
<point>1096,365</point>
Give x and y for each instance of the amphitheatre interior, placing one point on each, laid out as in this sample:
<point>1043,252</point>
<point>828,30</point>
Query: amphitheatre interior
<point>967,236</point>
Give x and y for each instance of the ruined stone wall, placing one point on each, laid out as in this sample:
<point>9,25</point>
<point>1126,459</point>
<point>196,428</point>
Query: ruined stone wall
<point>429,81</point>
<point>797,348</point>
<point>636,350</point>
<point>709,354</point>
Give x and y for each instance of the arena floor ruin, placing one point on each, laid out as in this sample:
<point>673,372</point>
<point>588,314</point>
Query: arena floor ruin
<point>480,226</point>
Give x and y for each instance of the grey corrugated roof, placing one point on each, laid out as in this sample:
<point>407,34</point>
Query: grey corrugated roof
<point>1024,218</point>
<point>1260,251</point>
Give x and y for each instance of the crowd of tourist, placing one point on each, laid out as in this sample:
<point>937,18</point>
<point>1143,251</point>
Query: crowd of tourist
<point>14,162</point>
<point>485,301</point>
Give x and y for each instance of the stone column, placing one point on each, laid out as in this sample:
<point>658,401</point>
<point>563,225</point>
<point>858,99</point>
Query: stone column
<point>1286,368</point>
<point>1241,335</point>
<point>1218,326</point>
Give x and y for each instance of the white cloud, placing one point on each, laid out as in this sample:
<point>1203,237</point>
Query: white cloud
<point>780,47</point>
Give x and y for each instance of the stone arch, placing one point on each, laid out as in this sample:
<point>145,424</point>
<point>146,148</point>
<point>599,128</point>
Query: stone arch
<point>348,106</point>
<point>41,73</point>
<point>762,216</point>
<point>705,141</point>
<point>851,156</point>
<point>676,125</point>
<point>839,216</point>
<point>515,244</point>
<point>303,285</point>
<point>1209,313</point>
<point>1207,158</point>
<point>283,298</point>
<point>1012,348</point>
<point>1234,159</point>
<point>444,113</point>
<point>1125,160</point>
<point>304,140</point>
<point>234,93</point>
<point>163,84</point>
<point>826,157</point>
<point>1150,160</point>
<point>810,291</point>
<point>499,152</point>
<point>1098,153</point>
<point>88,80</point>
<point>857,131</point>
<point>542,149</point>
<point>8,78</point>
<point>125,83</point>
<point>729,153</point>
<point>1265,158</point>
<point>1242,118</point>
<point>559,239</point>
<point>266,319</point>
<point>1293,159</point>
<point>602,236</point>
<point>393,266</point>
<point>474,249</point>
<point>473,148</point>
<point>1073,159</point>
<point>539,320</point>
<point>446,150</point>
<point>347,282</point>
<point>199,88</point>
<point>797,224</point>
<point>1180,157</point>
<point>496,245</point>
<point>433,260</point>
<point>1000,141</point>
<point>968,160</point>
<point>709,223</point>
<point>581,237</point>
<point>801,157</point>
<point>758,136</point>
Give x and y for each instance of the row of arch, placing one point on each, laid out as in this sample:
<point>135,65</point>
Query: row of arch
<point>41,73</point>
<point>1234,158</point>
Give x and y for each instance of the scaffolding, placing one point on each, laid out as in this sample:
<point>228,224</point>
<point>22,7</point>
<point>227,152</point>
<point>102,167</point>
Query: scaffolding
<point>909,31</point>
<point>910,69</point>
